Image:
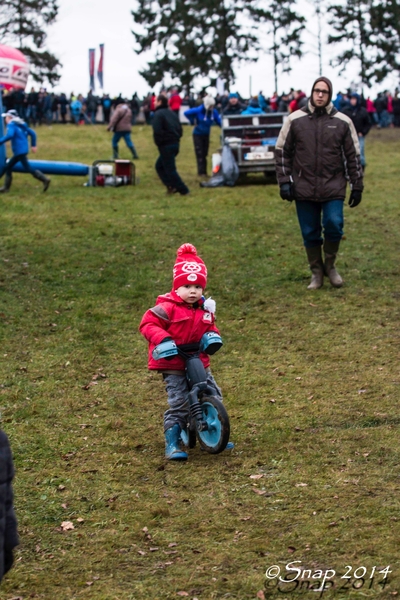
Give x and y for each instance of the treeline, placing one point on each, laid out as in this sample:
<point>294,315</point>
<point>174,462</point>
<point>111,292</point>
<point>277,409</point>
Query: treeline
<point>208,38</point>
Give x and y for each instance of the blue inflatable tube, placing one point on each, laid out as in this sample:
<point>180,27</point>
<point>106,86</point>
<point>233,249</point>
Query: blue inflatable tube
<point>55,168</point>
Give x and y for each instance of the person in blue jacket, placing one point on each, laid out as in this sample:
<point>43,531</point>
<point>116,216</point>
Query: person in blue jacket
<point>18,133</point>
<point>253,108</point>
<point>203,117</point>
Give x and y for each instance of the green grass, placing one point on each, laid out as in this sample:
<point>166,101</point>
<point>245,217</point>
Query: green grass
<point>311,382</point>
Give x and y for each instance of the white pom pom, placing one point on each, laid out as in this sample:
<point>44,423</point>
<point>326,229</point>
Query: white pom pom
<point>210,305</point>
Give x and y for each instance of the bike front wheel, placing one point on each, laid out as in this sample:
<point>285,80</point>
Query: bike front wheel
<point>215,438</point>
<point>188,436</point>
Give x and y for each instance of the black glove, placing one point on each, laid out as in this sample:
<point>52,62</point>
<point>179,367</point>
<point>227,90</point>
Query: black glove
<point>286,192</point>
<point>355,198</point>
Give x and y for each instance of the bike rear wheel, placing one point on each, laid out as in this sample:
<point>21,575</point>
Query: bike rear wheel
<point>215,438</point>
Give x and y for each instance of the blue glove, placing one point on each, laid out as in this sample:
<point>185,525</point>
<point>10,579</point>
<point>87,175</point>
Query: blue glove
<point>210,343</point>
<point>166,350</point>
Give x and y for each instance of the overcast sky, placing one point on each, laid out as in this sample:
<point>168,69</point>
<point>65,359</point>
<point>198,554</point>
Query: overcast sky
<point>84,24</point>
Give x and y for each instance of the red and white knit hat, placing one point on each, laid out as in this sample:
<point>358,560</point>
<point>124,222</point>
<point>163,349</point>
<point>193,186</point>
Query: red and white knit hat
<point>189,269</point>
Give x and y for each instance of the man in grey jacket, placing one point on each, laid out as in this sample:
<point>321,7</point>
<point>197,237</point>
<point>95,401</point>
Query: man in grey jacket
<point>317,153</point>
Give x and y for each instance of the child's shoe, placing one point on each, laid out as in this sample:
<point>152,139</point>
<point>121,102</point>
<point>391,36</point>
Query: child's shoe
<point>172,450</point>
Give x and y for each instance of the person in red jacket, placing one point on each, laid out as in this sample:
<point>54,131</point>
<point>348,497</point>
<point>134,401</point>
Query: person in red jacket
<point>175,101</point>
<point>184,316</point>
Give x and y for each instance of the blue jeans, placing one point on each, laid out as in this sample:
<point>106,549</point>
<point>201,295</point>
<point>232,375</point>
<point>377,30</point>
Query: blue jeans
<point>361,140</point>
<point>166,168</point>
<point>383,119</point>
<point>127,138</point>
<point>31,113</point>
<point>309,214</point>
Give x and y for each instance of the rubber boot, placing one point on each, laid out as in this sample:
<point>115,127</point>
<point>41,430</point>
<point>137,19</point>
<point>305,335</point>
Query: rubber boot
<point>7,183</point>
<point>46,182</point>
<point>331,249</point>
<point>134,153</point>
<point>115,152</point>
<point>172,450</point>
<point>317,268</point>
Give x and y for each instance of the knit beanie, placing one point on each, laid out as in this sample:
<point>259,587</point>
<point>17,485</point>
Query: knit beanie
<point>189,269</point>
<point>209,102</point>
<point>328,83</point>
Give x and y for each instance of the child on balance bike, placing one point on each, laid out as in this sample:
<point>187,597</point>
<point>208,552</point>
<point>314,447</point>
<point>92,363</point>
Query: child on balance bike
<point>180,317</point>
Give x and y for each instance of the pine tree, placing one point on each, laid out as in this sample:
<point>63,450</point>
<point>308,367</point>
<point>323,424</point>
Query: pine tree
<point>385,24</point>
<point>194,37</point>
<point>352,22</point>
<point>284,26</point>
<point>23,23</point>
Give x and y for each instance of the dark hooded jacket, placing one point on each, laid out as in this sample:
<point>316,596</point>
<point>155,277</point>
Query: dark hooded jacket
<point>359,115</point>
<point>318,152</point>
<point>167,129</point>
<point>8,522</point>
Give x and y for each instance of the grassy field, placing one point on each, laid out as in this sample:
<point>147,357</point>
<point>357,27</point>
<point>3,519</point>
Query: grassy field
<point>311,381</point>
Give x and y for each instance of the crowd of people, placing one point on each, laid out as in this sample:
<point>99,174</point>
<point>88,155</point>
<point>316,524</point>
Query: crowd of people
<point>43,107</point>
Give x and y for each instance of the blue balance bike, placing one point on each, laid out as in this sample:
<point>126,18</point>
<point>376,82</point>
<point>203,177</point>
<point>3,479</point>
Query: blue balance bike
<point>208,420</point>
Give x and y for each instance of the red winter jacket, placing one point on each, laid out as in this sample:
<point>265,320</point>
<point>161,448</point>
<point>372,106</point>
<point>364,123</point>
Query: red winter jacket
<point>175,102</point>
<point>172,317</point>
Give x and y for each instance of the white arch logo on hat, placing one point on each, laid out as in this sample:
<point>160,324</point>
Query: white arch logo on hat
<point>192,277</point>
<point>191,267</point>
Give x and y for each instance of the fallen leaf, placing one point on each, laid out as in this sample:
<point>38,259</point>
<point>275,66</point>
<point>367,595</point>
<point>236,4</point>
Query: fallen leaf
<point>298,378</point>
<point>273,400</point>
<point>333,524</point>
<point>153,549</point>
<point>172,545</point>
<point>260,595</point>
<point>141,553</point>
<point>245,518</point>
<point>61,487</point>
<point>362,391</point>
<point>291,549</point>
<point>89,583</point>
<point>256,476</point>
<point>67,525</point>
<point>311,304</point>
<point>182,594</point>
<point>80,520</point>
<point>301,484</point>
<point>259,492</point>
